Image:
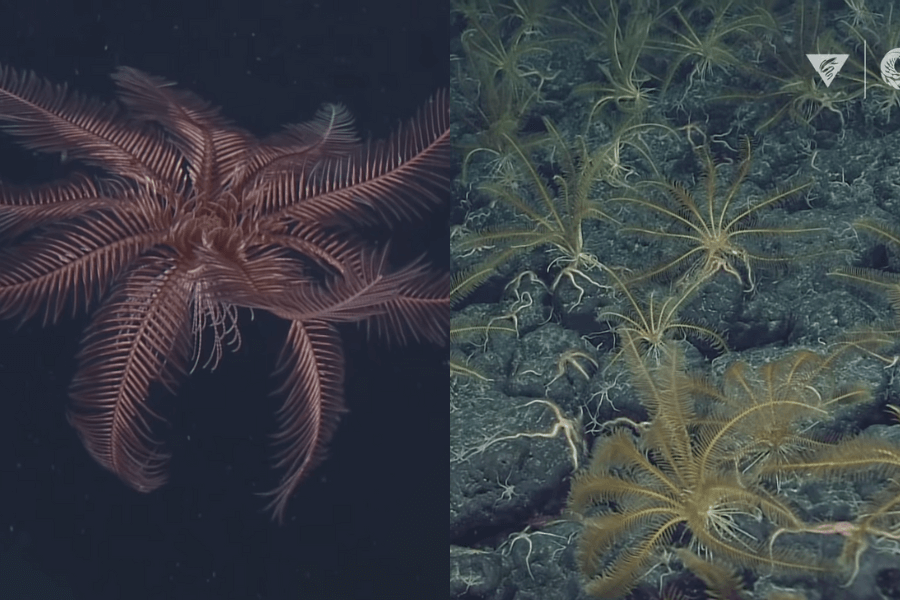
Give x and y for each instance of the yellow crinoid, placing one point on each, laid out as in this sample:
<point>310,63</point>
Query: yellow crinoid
<point>710,229</point>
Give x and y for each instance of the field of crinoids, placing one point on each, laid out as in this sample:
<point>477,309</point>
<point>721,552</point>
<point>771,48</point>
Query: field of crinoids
<point>676,286</point>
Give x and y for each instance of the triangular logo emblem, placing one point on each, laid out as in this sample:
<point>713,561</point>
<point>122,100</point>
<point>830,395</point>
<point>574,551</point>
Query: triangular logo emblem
<point>827,65</point>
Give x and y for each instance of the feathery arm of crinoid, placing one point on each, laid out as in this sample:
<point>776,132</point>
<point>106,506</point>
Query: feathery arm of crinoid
<point>213,147</point>
<point>47,117</point>
<point>883,281</point>
<point>875,339</point>
<point>878,519</point>
<point>385,181</point>
<point>140,335</point>
<point>762,418</point>
<point>313,365</point>
<point>409,304</point>
<point>25,207</point>
<point>74,260</point>
<point>329,135</point>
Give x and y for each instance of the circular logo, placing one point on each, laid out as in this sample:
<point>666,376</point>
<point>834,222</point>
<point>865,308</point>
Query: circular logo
<point>889,72</point>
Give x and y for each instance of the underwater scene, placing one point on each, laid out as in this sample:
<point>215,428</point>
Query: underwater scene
<point>675,245</point>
